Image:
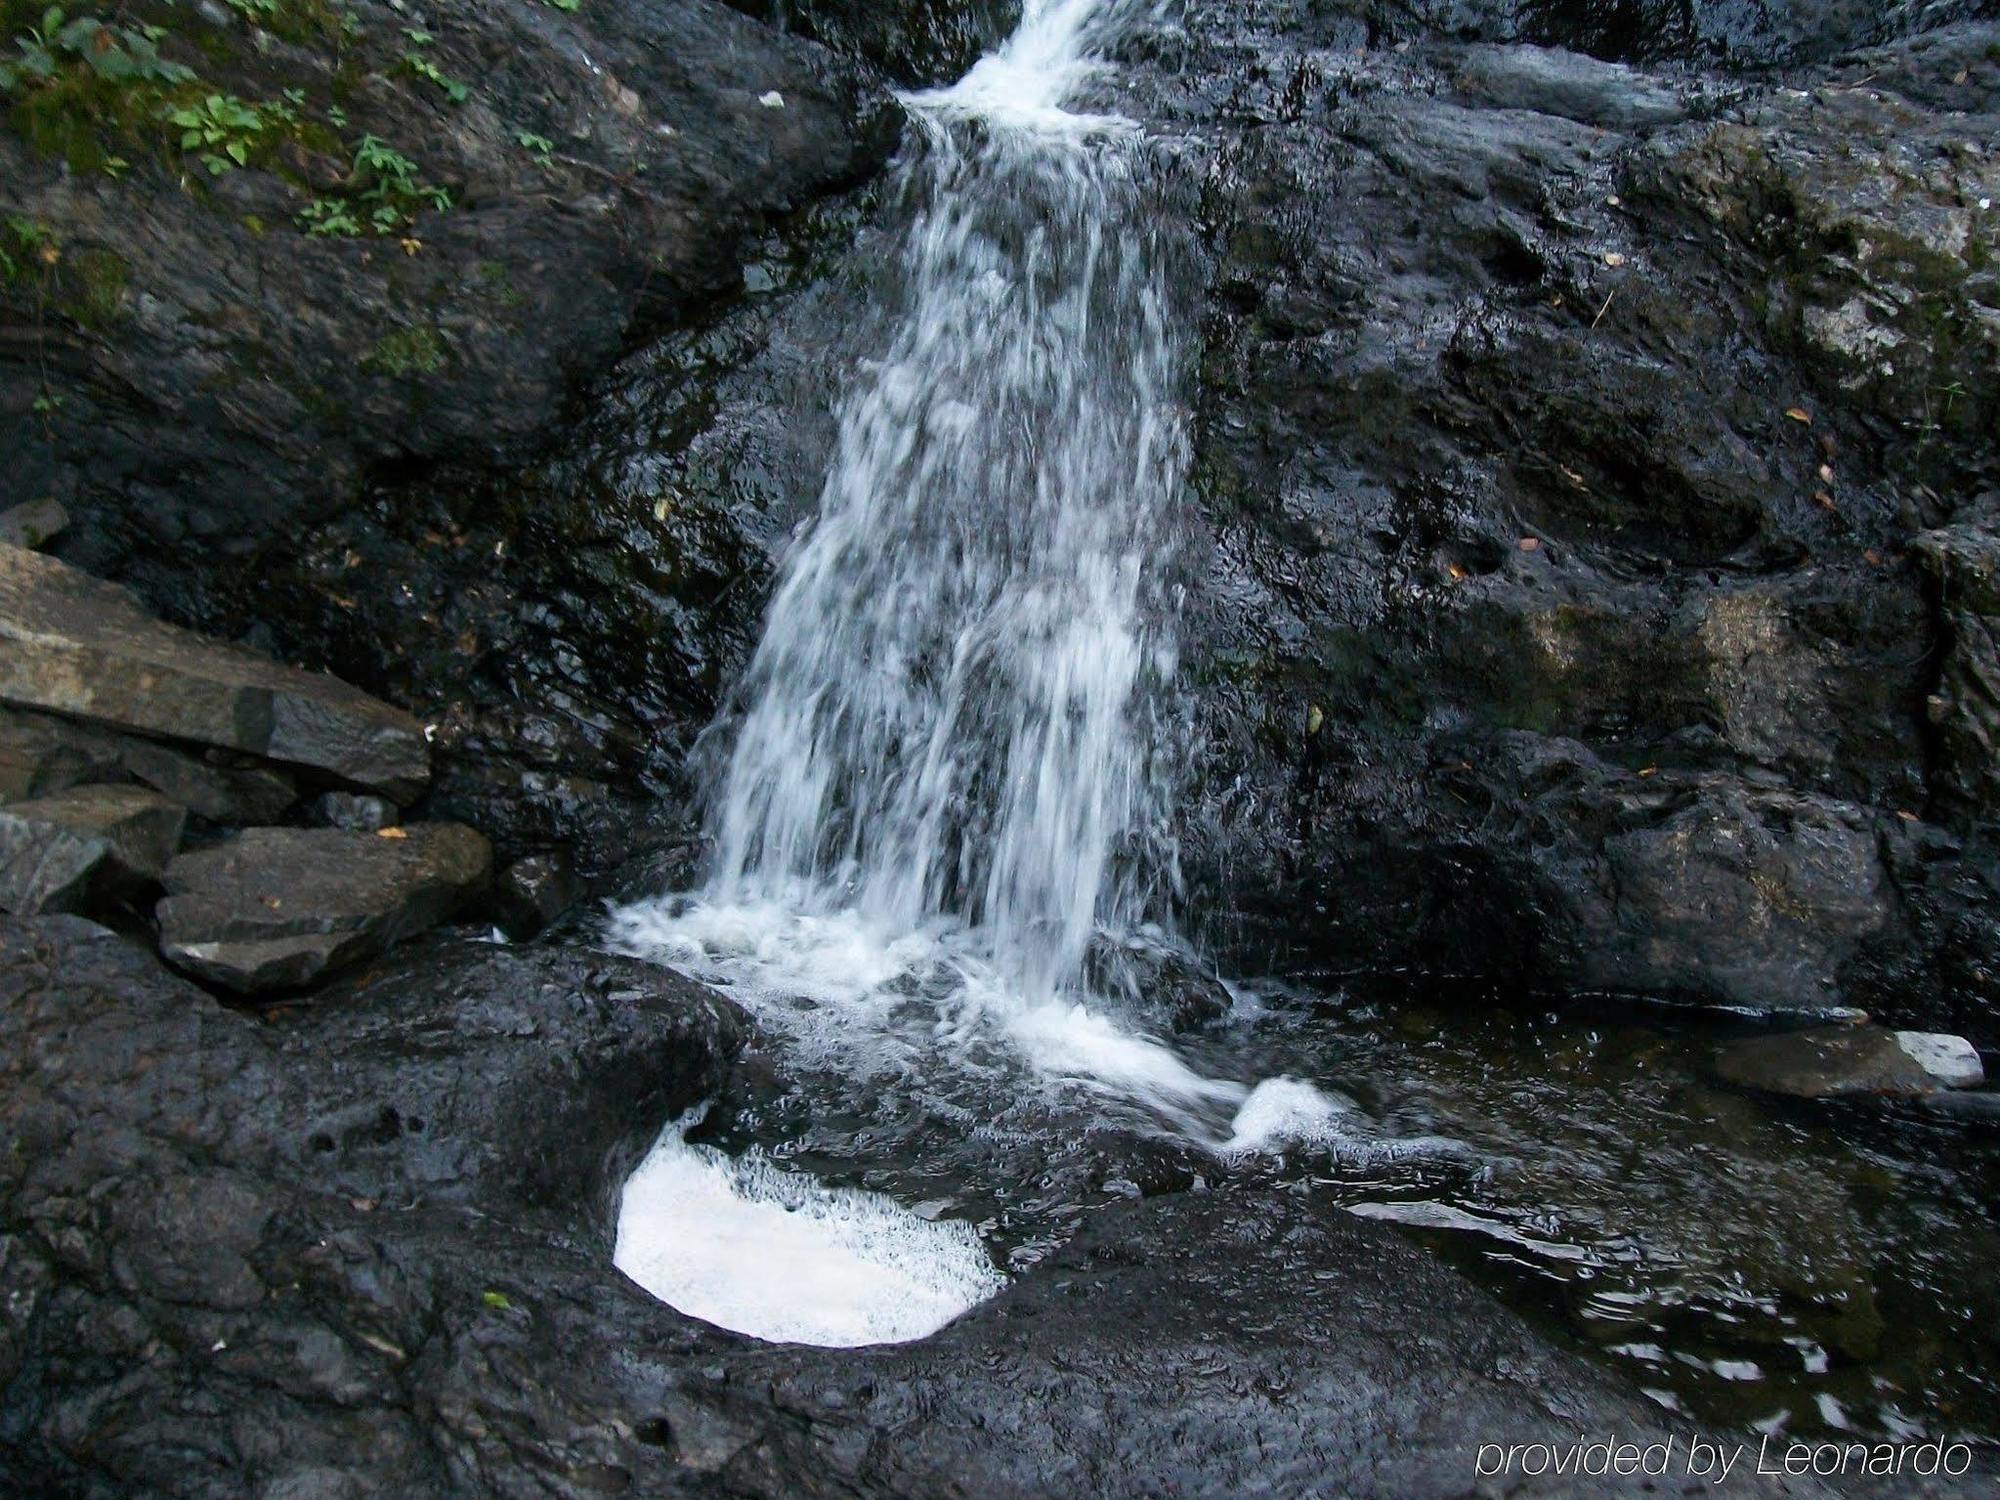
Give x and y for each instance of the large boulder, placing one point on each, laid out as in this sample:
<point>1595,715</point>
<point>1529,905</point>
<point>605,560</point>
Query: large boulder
<point>433,242</point>
<point>1553,616</point>
<point>72,644</point>
<point>62,852</point>
<point>277,908</point>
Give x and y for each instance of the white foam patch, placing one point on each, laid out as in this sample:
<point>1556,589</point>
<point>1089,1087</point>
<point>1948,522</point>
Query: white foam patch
<point>851,994</point>
<point>741,1244</point>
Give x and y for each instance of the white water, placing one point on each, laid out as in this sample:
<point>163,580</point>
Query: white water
<point>771,1253</point>
<point>950,768</point>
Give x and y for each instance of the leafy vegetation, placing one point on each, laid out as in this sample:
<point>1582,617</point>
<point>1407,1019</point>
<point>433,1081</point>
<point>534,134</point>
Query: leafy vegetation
<point>424,68</point>
<point>221,129</point>
<point>386,195</point>
<point>407,351</point>
<point>114,54</point>
<point>88,89</point>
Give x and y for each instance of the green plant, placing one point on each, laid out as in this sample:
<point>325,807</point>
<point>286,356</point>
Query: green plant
<point>222,128</point>
<point>325,217</point>
<point>424,68</point>
<point>387,194</point>
<point>114,54</point>
<point>407,351</point>
<point>24,245</point>
<point>564,5</point>
<point>541,145</point>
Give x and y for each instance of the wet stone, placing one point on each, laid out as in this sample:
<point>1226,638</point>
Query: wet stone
<point>533,892</point>
<point>277,908</point>
<point>1826,1062</point>
<point>63,852</point>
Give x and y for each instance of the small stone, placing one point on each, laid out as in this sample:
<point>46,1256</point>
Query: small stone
<point>354,811</point>
<point>532,893</point>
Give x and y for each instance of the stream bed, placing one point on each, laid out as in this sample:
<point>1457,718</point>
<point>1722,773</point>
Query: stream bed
<point>1750,1262</point>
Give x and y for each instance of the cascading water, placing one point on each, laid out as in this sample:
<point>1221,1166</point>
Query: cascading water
<point>949,770</point>
<point>949,763</point>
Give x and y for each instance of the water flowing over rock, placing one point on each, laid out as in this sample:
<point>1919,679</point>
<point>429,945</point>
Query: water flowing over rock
<point>945,714</point>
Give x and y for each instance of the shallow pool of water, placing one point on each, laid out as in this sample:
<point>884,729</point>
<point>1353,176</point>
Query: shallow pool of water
<point>1750,1261</point>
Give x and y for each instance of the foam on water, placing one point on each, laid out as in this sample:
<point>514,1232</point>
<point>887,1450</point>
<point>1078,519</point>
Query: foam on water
<point>746,1246</point>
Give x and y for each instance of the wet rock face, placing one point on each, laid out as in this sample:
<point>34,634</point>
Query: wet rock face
<point>194,398</point>
<point>364,1248</point>
<point>918,44</point>
<point>277,1219</point>
<point>1557,612</point>
<point>1747,34</point>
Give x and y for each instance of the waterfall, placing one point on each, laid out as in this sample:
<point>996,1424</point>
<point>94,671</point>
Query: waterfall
<point>945,713</point>
<point>948,771</point>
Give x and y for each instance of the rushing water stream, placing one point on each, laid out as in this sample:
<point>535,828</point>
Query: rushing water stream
<point>943,824</point>
<point>951,771</point>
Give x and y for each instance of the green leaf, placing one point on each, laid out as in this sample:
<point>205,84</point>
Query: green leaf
<point>496,1300</point>
<point>238,153</point>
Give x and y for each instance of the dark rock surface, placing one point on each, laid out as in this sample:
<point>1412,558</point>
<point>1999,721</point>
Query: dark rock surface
<point>43,753</point>
<point>59,852</point>
<point>925,43</point>
<point>1554,618</point>
<point>364,1250</point>
<point>72,644</point>
<point>278,908</point>
<point>206,390</point>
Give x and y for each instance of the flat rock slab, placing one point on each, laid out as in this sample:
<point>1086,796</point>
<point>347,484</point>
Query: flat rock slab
<point>43,753</point>
<point>59,852</point>
<point>1833,1060</point>
<point>277,908</point>
<point>74,644</point>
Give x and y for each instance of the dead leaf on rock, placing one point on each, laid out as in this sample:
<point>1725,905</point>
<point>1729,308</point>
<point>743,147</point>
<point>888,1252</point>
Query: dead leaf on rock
<point>1529,543</point>
<point>391,833</point>
<point>1799,414</point>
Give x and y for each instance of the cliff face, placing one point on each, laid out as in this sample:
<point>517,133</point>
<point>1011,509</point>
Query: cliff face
<point>1595,441</point>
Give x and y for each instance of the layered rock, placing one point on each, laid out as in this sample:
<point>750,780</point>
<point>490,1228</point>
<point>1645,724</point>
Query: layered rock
<point>72,644</point>
<point>279,908</point>
<point>63,852</point>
